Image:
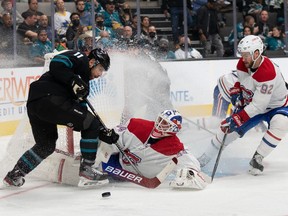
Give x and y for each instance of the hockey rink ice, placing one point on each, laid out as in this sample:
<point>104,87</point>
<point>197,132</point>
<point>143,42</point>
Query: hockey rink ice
<point>233,192</point>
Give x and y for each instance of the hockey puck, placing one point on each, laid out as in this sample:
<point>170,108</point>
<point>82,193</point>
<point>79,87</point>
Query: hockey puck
<point>106,194</point>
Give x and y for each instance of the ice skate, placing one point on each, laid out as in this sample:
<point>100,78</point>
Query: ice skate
<point>14,178</point>
<point>256,166</point>
<point>90,176</point>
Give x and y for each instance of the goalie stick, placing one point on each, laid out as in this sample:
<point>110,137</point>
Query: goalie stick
<point>141,180</point>
<point>132,177</point>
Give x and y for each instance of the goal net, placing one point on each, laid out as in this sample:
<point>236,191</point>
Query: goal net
<point>134,86</point>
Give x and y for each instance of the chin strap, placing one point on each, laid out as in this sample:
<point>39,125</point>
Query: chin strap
<point>254,60</point>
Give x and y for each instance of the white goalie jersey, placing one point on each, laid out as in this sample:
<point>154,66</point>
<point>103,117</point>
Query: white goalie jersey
<point>149,158</point>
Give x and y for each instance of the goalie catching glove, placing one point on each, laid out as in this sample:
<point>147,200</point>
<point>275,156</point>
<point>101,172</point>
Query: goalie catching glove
<point>80,88</point>
<point>108,136</point>
<point>189,178</point>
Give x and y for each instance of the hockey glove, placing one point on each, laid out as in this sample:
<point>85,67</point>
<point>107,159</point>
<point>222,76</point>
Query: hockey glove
<point>108,136</point>
<point>234,122</point>
<point>236,96</point>
<point>189,178</point>
<point>80,88</point>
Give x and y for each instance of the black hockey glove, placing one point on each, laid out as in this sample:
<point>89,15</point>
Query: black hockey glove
<point>108,136</point>
<point>80,88</point>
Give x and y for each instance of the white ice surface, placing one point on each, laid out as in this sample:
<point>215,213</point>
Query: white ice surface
<point>233,191</point>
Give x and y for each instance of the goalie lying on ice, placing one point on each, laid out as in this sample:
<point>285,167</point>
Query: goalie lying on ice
<point>150,146</point>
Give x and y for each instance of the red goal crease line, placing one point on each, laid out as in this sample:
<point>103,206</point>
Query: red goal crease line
<point>23,191</point>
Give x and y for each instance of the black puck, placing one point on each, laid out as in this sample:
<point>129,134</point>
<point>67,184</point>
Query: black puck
<point>106,194</point>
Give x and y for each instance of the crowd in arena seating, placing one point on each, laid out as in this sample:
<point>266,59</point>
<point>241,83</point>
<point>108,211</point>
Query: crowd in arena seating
<point>115,27</point>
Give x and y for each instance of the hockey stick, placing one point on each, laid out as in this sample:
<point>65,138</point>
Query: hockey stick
<point>117,145</point>
<point>132,177</point>
<point>67,154</point>
<point>198,125</point>
<point>219,154</point>
<point>141,180</point>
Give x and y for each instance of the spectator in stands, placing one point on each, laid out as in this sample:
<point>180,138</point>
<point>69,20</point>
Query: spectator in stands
<point>247,31</point>
<point>111,16</point>
<point>118,4</point>
<point>191,52</point>
<point>6,32</point>
<point>208,28</point>
<point>61,19</point>
<point>85,42</point>
<point>196,4</point>
<point>126,39</point>
<point>278,8</point>
<point>145,23</point>
<point>264,25</point>
<point>163,51</point>
<point>8,8</point>
<point>252,7</point>
<point>33,7</point>
<point>40,47</point>
<point>248,21</point>
<point>125,14</point>
<point>97,5</point>
<point>274,40</point>
<point>85,16</point>
<point>152,36</point>
<point>28,29</point>
<point>134,24</point>
<point>99,26</point>
<point>104,34</point>
<point>175,8</point>
<point>74,31</point>
<point>44,24</point>
<point>60,44</point>
<point>105,42</point>
<point>128,33</point>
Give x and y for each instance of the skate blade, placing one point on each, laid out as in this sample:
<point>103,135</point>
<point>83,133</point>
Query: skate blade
<point>5,185</point>
<point>254,172</point>
<point>86,183</point>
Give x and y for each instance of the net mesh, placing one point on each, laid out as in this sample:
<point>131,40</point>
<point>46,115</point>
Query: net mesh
<point>135,86</point>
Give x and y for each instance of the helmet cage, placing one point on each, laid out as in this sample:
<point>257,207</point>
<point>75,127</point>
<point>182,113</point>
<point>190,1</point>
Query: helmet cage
<point>168,122</point>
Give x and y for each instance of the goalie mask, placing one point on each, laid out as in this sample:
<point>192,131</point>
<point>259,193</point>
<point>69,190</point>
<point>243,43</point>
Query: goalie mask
<point>101,57</point>
<point>168,123</point>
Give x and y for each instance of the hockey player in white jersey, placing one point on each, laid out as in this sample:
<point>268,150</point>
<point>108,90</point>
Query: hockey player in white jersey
<point>261,95</point>
<point>221,94</point>
<point>222,98</point>
<point>150,146</point>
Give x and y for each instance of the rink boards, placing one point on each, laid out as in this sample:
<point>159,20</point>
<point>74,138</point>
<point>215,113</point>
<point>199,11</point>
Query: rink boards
<point>191,89</point>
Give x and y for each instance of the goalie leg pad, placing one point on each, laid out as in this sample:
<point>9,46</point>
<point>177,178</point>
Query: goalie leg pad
<point>189,178</point>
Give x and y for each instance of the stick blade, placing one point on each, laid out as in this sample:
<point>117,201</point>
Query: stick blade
<point>142,180</point>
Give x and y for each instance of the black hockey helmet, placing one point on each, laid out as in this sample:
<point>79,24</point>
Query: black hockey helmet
<point>101,57</point>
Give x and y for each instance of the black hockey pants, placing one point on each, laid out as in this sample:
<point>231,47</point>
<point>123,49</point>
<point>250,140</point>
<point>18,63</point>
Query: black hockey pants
<point>48,112</point>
